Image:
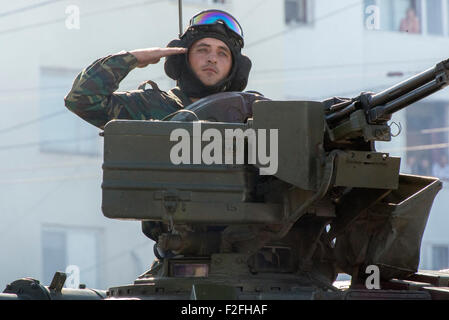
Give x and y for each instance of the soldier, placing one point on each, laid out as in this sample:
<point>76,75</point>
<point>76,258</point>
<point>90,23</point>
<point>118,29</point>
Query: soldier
<point>207,59</point>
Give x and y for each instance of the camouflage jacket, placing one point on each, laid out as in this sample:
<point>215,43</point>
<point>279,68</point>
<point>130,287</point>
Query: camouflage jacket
<point>94,99</point>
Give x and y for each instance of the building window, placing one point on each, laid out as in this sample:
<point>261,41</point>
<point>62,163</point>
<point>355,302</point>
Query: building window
<point>427,136</point>
<point>298,12</point>
<point>71,250</point>
<point>62,131</point>
<point>53,254</point>
<point>409,16</point>
<point>396,15</point>
<point>434,10</point>
<point>403,15</point>
<point>440,257</point>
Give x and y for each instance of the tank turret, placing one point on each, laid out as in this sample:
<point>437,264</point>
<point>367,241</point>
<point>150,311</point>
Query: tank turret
<point>253,198</point>
<point>249,198</point>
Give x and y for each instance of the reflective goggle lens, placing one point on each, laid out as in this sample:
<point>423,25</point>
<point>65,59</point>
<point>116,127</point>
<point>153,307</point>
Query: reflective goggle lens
<point>211,17</point>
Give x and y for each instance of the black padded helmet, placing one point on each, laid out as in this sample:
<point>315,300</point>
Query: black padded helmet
<point>210,24</point>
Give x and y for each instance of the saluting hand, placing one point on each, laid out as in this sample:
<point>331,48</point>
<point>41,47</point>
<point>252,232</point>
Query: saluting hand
<point>153,55</point>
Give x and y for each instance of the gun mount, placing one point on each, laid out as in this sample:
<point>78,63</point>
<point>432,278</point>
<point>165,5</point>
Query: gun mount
<point>224,229</point>
<point>333,205</point>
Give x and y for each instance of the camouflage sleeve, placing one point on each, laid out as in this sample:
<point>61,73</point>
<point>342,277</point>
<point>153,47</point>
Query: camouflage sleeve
<point>94,99</point>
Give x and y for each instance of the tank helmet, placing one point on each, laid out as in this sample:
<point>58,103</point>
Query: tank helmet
<point>216,24</point>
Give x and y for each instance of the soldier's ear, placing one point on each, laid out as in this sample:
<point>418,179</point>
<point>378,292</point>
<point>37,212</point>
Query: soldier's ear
<point>240,79</point>
<point>174,64</point>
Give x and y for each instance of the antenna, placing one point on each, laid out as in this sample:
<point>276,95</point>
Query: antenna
<point>180,17</point>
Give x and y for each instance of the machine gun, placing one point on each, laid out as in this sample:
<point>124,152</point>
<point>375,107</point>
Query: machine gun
<point>333,205</point>
<point>367,114</point>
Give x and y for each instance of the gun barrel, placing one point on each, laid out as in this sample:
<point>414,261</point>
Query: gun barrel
<point>404,101</point>
<point>412,97</point>
<point>408,92</point>
<point>403,88</point>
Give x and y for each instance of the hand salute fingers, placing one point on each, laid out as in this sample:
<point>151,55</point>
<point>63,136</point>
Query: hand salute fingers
<point>154,55</point>
<point>165,52</point>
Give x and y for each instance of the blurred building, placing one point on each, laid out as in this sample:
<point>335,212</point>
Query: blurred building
<point>50,187</point>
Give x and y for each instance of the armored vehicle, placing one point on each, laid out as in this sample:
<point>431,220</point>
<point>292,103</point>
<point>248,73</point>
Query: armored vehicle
<point>249,198</point>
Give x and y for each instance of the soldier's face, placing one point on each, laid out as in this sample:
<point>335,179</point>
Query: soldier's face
<point>211,60</point>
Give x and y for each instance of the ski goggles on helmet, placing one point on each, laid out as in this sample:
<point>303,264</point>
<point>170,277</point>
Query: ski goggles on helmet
<point>214,16</point>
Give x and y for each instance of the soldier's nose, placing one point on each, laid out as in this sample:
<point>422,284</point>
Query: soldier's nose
<point>212,58</point>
